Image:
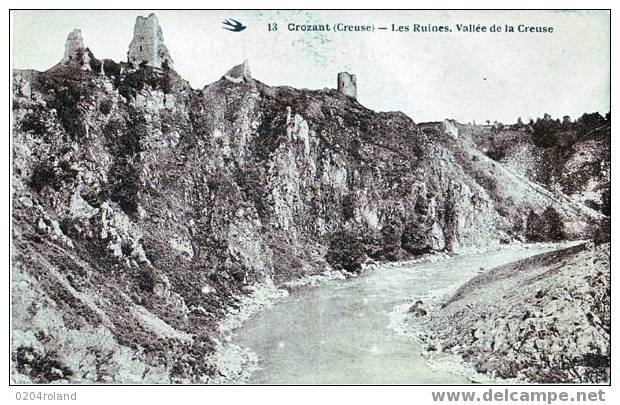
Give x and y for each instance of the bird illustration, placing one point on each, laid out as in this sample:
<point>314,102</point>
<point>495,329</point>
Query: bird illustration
<point>234,26</point>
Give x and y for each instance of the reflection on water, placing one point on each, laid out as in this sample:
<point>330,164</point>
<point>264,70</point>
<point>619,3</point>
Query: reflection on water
<point>339,333</point>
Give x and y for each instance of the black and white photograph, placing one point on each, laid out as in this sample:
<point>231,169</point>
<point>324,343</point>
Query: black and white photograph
<point>310,197</point>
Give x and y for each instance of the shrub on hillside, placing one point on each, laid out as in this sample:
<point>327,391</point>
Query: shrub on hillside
<point>545,133</point>
<point>346,252</point>
<point>66,98</point>
<point>606,202</point>
<point>32,123</point>
<point>124,185</point>
<point>546,227</point>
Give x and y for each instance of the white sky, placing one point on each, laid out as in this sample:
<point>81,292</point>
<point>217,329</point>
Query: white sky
<point>427,76</point>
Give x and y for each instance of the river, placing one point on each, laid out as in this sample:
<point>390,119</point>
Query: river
<point>345,332</point>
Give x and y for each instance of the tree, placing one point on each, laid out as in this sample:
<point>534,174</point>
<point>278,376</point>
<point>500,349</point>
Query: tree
<point>553,225</point>
<point>545,132</point>
<point>546,227</point>
<point>588,122</point>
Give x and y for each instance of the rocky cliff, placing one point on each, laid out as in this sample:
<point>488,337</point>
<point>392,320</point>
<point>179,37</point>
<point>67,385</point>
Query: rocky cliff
<point>143,208</point>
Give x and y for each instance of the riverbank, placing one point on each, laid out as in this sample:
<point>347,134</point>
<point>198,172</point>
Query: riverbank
<point>544,319</point>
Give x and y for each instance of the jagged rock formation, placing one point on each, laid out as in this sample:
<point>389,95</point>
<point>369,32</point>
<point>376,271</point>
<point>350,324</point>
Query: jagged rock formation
<point>143,208</point>
<point>347,84</point>
<point>75,52</point>
<point>240,73</point>
<point>544,319</point>
<point>147,45</point>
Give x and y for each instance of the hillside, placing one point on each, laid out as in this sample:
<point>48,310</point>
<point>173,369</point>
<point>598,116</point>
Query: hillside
<point>572,158</point>
<point>545,319</point>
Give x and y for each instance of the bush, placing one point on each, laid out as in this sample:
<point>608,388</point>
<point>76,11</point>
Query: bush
<point>112,69</point>
<point>124,140</point>
<point>554,226</point>
<point>42,368</point>
<point>124,185</point>
<point>546,227</point>
<point>588,122</point>
<point>346,252</point>
<point>64,97</point>
<point>606,202</point>
<point>602,232</point>
<point>414,239</point>
<point>95,64</point>
<point>496,154</point>
<point>348,207</point>
<point>146,280</point>
<point>133,82</point>
<point>388,245</point>
<point>105,107</point>
<point>43,175</point>
<point>545,132</point>
<point>46,174</point>
<point>32,123</point>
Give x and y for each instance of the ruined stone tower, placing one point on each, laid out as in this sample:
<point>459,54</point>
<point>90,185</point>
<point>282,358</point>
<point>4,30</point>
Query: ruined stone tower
<point>75,53</point>
<point>240,73</point>
<point>347,84</point>
<point>147,45</point>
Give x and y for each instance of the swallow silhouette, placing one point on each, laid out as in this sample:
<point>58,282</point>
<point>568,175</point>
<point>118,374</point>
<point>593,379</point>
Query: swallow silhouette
<point>234,26</point>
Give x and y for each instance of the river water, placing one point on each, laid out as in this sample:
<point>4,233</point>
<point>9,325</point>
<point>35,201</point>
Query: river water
<point>343,332</point>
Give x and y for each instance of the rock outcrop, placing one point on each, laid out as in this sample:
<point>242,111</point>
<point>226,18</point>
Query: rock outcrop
<point>147,46</point>
<point>347,84</point>
<point>239,73</point>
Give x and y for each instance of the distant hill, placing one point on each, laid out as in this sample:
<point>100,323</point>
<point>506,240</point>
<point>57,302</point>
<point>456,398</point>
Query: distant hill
<point>570,157</point>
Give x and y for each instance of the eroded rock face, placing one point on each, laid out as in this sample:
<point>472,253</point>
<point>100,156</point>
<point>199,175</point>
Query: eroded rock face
<point>147,45</point>
<point>451,128</point>
<point>240,73</point>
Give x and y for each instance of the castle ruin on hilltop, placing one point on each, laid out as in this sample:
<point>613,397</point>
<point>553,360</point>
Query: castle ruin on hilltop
<point>147,45</point>
<point>147,48</point>
<point>347,84</point>
<point>75,53</point>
